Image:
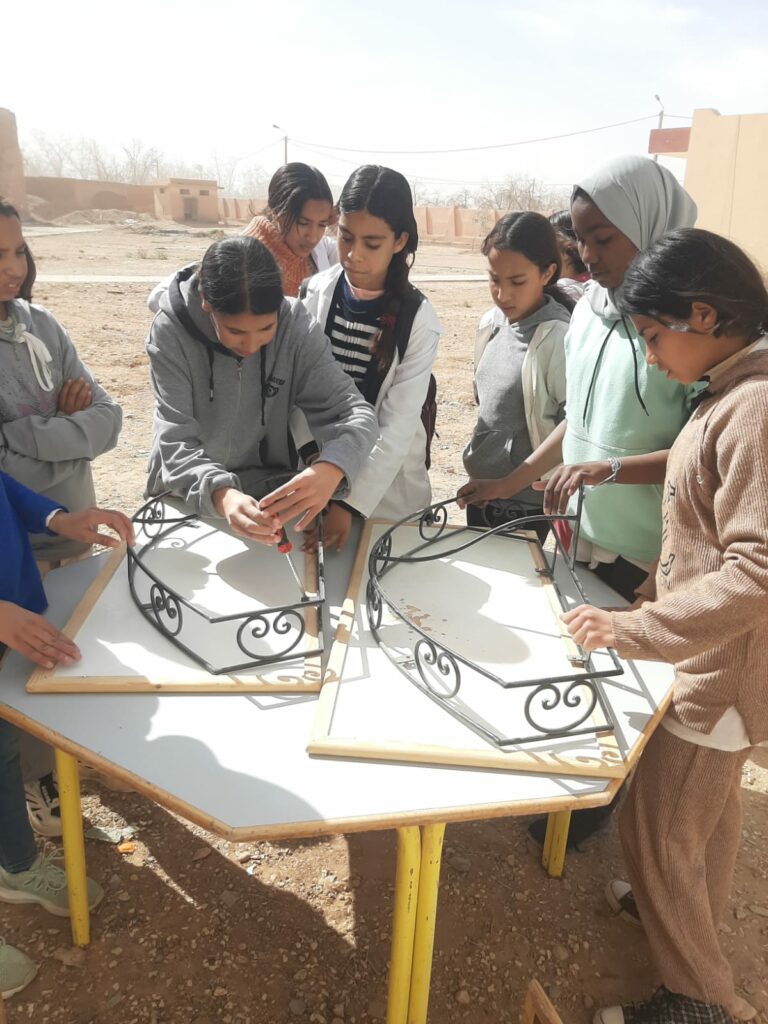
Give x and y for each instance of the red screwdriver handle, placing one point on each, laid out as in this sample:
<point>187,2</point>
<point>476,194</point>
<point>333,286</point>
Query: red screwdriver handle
<point>284,545</point>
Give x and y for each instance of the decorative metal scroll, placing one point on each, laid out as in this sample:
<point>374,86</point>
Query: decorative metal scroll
<point>169,612</point>
<point>568,705</point>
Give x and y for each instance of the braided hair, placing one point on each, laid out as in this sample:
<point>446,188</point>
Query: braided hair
<point>386,194</point>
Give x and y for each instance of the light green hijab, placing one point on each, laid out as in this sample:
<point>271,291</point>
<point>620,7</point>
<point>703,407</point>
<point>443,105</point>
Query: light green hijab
<point>644,201</point>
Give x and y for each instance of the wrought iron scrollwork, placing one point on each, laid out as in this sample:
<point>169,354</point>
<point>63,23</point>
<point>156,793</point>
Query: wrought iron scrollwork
<point>571,704</point>
<point>572,696</point>
<point>428,655</point>
<point>166,608</point>
<point>189,627</point>
<point>260,625</point>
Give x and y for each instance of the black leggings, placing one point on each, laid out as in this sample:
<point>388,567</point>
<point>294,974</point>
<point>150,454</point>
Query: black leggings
<point>621,576</point>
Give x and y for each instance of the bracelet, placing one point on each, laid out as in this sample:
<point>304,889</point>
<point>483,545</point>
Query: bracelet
<point>615,465</point>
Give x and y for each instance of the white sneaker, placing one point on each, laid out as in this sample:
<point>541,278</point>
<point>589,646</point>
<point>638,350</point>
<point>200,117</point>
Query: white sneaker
<point>43,806</point>
<point>622,901</point>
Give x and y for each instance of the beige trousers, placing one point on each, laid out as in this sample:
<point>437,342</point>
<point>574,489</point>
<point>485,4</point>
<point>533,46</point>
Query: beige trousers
<point>680,828</point>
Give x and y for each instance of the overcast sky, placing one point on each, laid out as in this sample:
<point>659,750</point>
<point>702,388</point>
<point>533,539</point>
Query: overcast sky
<point>194,77</point>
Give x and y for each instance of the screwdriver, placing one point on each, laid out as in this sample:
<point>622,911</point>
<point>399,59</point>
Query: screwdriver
<point>285,547</point>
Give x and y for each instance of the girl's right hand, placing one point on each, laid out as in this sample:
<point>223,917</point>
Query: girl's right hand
<point>478,492</point>
<point>75,396</point>
<point>245,516</point>
<point>566,480</point>
<point>34,637</point>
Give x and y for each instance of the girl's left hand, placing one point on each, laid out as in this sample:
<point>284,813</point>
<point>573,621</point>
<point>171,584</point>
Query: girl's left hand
<point>590,627</point>
<point>84,525</point>
<point>305,495</point>
<point>75,396</point>
<point>336,527</point>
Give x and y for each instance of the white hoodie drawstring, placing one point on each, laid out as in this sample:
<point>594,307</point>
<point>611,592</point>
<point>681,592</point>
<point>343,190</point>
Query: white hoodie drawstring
<point>38,354</point>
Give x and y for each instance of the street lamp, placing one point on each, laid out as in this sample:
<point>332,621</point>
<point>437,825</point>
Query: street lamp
<point>661,118</point>
<point>285,142</point>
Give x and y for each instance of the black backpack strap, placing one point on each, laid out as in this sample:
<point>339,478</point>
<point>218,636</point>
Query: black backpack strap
<point>374,374</point>
<point>409,307</point>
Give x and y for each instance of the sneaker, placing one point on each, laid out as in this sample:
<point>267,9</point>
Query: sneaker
<point>664,1008</point>
<point>621,900</point>
<point>16,970</point>
<point>43,806</point>
<point>44,883</point>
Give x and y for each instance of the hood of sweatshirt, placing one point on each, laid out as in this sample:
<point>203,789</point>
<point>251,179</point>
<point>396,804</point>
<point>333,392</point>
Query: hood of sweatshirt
<point>551,310</point>
<point>751,362</point>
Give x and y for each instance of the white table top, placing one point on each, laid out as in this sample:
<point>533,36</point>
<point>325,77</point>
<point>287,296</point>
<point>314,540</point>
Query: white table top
<point>238,765</point>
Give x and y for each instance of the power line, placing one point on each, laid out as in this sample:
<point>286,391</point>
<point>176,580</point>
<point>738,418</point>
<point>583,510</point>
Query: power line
<point>421,177</point>
<point>477,149</point>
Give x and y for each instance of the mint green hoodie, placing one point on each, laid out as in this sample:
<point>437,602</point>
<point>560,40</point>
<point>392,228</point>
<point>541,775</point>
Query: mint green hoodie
<point>607,379</point>
<point>617,404</point>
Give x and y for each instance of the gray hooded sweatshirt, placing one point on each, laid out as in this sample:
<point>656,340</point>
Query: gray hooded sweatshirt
<point>47,451</point>
<point>500,440</point>
<point>223,421</point>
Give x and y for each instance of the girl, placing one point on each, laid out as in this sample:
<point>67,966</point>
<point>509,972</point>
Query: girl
<point>520,363</point>
<point>54,420</point>
<point>622,415</point>
<point>230,357</point>
<point>25,875</point>
<point>384,334</point>
<point>701,308</point>
<point>293,225</point>
<point>574,273</point>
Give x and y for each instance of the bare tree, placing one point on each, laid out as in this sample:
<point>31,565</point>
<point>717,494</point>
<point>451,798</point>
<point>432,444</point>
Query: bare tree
<point>520,192</point>
<point>140,163</point>
<point>48,155</point>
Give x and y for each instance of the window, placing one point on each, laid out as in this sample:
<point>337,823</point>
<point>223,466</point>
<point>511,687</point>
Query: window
<point>162,191</point>
<point>205,192</point>
<point>184,191</point>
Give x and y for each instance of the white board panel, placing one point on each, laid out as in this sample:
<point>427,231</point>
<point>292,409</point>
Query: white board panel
<point>487,604</point>
<point>220,575</point>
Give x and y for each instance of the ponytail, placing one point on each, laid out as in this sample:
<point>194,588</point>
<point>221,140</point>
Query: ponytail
<point>386,194</point>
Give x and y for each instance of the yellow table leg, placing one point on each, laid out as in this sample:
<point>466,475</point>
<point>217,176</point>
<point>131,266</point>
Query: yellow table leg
<point>403,923</point>
<point>68,779</point>
<point>426,913</point>
<point>553,856</point>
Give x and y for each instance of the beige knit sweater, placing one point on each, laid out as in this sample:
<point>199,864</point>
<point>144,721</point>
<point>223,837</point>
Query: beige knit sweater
<point>710,616</point>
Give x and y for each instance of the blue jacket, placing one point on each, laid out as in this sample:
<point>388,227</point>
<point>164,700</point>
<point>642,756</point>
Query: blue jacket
<point>21,512</point>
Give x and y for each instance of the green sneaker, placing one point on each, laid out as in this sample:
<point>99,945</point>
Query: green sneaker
<point>16,970</point>
<point>44,883</point>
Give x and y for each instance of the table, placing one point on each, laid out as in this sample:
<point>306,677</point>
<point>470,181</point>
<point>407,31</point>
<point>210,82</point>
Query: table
<point>237,766</point>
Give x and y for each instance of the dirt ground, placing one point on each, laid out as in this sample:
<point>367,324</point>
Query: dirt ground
<point>194,930</point>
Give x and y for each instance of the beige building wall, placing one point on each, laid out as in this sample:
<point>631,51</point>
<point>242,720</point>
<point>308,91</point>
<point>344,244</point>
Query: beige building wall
<point>65,195</point>
<point>725,173</point>
<point>12,185</point>
<point>187,199</point>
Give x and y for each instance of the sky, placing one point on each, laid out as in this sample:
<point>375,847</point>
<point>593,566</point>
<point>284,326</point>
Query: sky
<point>196,79</point>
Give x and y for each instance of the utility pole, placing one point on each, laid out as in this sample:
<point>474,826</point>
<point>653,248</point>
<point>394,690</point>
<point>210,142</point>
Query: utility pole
<point>661,119</point>
<point>285,142</point>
